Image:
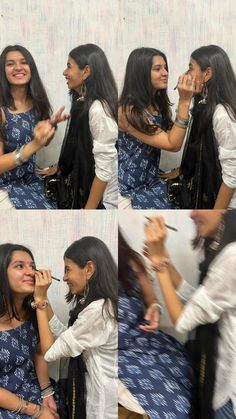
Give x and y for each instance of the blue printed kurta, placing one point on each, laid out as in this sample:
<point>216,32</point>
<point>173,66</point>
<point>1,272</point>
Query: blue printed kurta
<point>153,366</point>
<point>25,188</point>
<point>138,172</point>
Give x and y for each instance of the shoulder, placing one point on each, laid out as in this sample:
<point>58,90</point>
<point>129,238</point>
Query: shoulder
<point>222,115</point>
<point>99,108</point>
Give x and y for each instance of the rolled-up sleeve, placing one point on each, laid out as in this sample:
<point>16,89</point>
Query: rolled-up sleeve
<point>225,133</point>
<point>104,132</point>
<point>215,296</point>
<point>91,329</point>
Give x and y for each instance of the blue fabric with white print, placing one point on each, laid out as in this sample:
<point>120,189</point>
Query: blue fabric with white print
<point>153,366</point>
<point>25,188</point>
<point>139,172</point>
<point>17,373</point>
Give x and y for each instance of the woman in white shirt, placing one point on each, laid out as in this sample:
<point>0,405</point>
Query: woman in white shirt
<point>208,167</point>
<point>88,157</point>
<point>211,308</point>
<point>91,338</point>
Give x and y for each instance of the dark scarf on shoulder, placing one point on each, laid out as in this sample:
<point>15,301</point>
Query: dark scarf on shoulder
<point>200,167</point>
<point>76,157</point>
<point>205,347</point>
<point>76,391</point>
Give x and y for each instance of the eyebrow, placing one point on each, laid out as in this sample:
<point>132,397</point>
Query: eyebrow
<point>12,60</point>
<point>22,261</point>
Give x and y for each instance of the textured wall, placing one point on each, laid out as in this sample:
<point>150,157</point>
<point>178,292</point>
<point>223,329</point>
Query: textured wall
<point>50,29</point>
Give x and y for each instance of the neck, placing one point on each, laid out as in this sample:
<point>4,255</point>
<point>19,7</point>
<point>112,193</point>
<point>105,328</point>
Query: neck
<point>19,94</point>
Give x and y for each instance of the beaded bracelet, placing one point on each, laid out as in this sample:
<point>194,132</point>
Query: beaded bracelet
<point>40,304</point>
<point>161,266</point>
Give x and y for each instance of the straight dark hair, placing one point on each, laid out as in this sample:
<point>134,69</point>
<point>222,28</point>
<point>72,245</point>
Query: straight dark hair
<point>222,86</point>
<point>103,283</point>
<point>137,93</point>
<point>7,306</point>
<point>35,92</point>
<point>127,255</point>
<point>100,85</point>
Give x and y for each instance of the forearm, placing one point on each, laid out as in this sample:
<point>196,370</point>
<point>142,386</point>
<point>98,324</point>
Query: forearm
<point>41,368</point>
<point>96,193</point>
<point>45,334</point>
<point>7,161</point>
<point>10,401</point>
<point>173,304</point>
<point>224,197</point>
<point>149,295</point>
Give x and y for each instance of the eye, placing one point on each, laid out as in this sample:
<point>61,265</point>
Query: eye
<point>19,265</point>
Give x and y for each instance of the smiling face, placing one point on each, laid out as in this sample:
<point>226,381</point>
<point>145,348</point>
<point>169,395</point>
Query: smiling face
<point>75,277</point>
<point>159,73</point>
<point>17,69</point>
<point>20,272</point>
<point>74,75</point>
<point>206,221</point>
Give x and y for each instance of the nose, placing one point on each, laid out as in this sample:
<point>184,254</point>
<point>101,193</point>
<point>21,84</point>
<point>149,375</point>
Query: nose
<point>65,277</point>
<point>30,271</point>
<point>165,71</point>
<point>64,72</point>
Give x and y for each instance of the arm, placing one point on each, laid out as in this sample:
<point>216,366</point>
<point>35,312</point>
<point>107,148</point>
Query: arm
<point>225,133</point>
<point>173,139</point>
<point>224,197</point>
<point>42,132</point>
<point>96,193</point>
<point>10,401</point>
<point>104,133</point>
<point>41,368</point>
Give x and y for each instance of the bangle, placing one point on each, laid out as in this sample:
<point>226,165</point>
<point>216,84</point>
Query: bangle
<point>19,405</point>
<point>48,394</point>
<point>38,413</point>
<point>160,309</point>
<point>161,266</point>
<point>18,156</point>
<point>181,123</point>
<point>40,304</point>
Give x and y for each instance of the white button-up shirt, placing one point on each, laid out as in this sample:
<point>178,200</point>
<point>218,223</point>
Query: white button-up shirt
<point>95,335</point>
<point>215,300</point>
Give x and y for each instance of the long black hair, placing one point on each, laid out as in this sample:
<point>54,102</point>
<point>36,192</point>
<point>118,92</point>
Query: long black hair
<point>205,350</point>
<point>137,92</point>
<point>7,306</point>
<point>222,86</point>
<point>102,285</point>
<point>35,92</point>
<point>77,149</point>
<point>127,255</point>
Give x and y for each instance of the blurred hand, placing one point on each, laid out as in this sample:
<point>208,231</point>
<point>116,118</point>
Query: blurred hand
<point>49,402</point>
<point>59,117</point>
<point>155,236</point>
<point>188,86</point>
<point>153,317</point>
<point>47,172</point>
<point>170,175</point>
<point>43,132</point>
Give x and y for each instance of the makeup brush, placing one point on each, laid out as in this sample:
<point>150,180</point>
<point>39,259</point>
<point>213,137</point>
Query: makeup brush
<point>167,226</point>
<point>53,277</point>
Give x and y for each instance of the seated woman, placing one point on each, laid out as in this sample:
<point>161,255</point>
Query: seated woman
<point>153,366</point>
<point>209,310</point>
<point>25,389</point>
<point>88,159</point>
<point>91,338</point>
<point>23,103</point>
<point>145,128</point>
<point>208,167</point>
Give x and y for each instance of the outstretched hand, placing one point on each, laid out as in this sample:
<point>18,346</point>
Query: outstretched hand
<point>59,117</point>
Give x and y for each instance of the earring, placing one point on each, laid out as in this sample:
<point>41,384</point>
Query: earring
<point>204,95</point>
<point>86,291</point>
<point>82,92</point>
<point>218,237</point>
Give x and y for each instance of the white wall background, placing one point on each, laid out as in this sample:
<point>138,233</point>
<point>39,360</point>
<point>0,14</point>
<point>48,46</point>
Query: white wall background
<point>178,244</point>
<point>50,29</point>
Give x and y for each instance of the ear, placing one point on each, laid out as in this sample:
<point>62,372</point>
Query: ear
<point>89,269</point>
<point>208,74</point>
<point>86,72</point>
